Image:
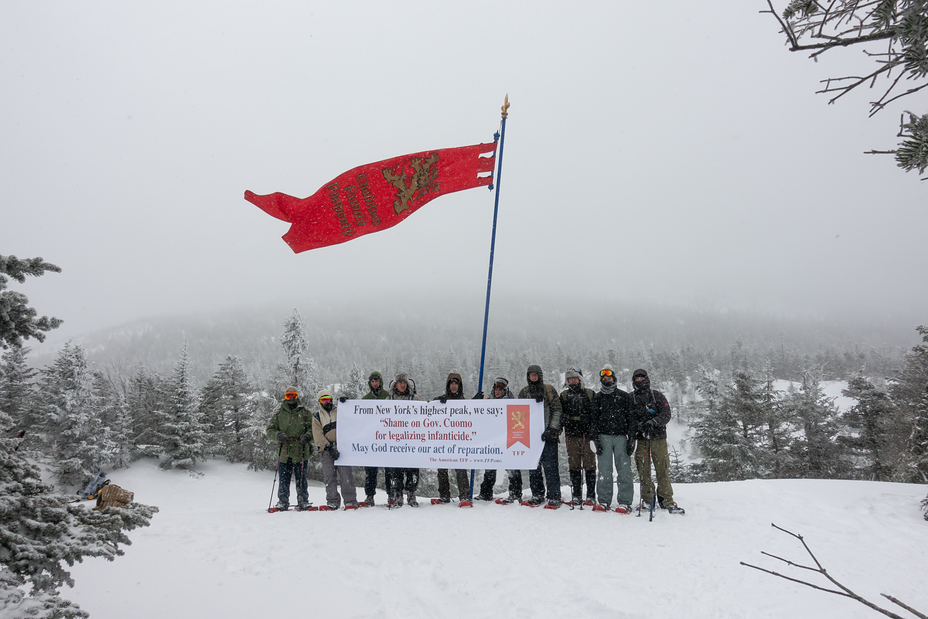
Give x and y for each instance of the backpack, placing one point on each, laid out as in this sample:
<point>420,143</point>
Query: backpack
<point>113,496</point>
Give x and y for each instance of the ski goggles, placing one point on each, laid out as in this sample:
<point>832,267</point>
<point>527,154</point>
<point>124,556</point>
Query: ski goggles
<point>326,399</point>
<point>291,395</point>
<point>607,373</point>
<point>454,380</point>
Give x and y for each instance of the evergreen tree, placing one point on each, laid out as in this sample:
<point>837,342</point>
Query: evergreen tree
<point>16,385</point>
<point>182,437</point>
<point>145,401</point>
<point>356,385</point>
<point>226,406</point>
<point>300,371</point>
<point>870,417</point>
<point>17,320</point>
<point>71,419</point>
<point>40,532</point>
<point>909,393</point>
<point>813,416</point>
<point>777,458</point>
<point>726,431</point>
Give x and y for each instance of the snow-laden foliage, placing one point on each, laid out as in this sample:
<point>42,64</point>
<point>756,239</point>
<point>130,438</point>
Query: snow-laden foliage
<point>17,320</point>
<point>41,533</point>
<point>181,432</point>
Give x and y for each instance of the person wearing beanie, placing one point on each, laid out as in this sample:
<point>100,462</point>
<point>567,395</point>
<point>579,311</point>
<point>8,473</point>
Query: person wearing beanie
<point>652,414</point>
<point>402,479</point>
<point>290,426</point>
<point>454,390</point>
<point>377,392</point>
<point>577,411</point>
<point>546,476</point>
<point>613,435</point>
<point>324,433</point>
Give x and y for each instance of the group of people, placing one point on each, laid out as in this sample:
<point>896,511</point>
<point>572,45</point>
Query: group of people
<point>602,431</point>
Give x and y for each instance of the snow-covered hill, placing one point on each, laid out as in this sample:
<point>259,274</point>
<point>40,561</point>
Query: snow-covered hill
<point>213,551</point>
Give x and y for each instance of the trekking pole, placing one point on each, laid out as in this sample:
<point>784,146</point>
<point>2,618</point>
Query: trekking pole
<point>650,482</point>
<point>274,483</point>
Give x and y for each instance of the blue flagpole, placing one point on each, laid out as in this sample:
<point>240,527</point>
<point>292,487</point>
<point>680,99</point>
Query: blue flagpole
<point>486,312</point>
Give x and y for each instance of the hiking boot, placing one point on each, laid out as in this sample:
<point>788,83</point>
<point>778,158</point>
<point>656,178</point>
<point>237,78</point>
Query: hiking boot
<point>673,508</point>
<point>398,497</point>
<point>515,497</point>
<point>553,504</point>
<point>411,500</point>
<point>536,500</point>
<point>623,509</point>
<point>576,502</point>
<point>484,497</point>
<point>369,499</point>
<point>281,506</point>
<point>303,505</point>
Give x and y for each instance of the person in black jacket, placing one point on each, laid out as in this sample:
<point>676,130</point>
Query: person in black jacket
<point>652,414</point>
<point>576,413</point>
<point>613,430</point>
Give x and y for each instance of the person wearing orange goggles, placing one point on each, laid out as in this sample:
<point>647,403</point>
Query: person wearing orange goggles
<point>290,426</point>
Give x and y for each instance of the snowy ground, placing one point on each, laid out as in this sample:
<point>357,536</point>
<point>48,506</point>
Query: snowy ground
<point>213,551</point>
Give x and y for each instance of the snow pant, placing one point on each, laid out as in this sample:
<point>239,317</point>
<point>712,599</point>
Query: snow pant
<point>515,481</point>
<point>614,451</point>
<point>444,484</point>
<point>370,480</point>
<point>405,479</point>
<point>489,481</point>
<point>655,451</point>
<point>285,471</point>
<point>580,456</point>
<point>332,477</point>
<point>551,479</point>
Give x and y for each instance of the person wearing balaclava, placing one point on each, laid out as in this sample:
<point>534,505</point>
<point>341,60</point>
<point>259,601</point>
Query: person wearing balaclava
<point>402,479</point>
<point>290,426</point>
<point>652,414</point>
<point>577,411</point>
<point>377,392</point>
<point>324,433</point>
<point>546,477</point>
<point>613,430</point>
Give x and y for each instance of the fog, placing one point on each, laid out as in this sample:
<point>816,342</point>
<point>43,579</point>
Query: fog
<point>663,153</point>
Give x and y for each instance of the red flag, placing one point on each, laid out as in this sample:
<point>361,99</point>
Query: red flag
<point>376,196</point>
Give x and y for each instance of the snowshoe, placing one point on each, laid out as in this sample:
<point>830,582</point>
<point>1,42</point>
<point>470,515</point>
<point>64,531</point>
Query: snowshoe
<point>576,502</point>
<point>483,497</point>
<point>280,507</point>
<point>327,508</point>
<point>673,508</point>
<point>506,501</point>
<point>600,508</point>
<point>465,503</point>
<point>412,501</point>
<point>535,501</point>
<point>589,503</point>
<point>553,504</point>
<point>351,506</point>
<point>440,501</point>
<point>368,501</point>
<point>623,509</point>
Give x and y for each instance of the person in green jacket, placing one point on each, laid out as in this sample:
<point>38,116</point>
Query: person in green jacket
<point>377,392</point>
<point>291,427</point>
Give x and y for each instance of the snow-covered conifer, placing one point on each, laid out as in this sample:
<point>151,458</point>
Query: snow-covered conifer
<point>181,433</point>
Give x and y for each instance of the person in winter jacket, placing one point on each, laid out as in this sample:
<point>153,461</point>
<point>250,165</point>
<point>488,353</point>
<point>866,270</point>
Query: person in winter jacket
<point>454,390</point>
<point>550,479</point>
<point>613,429</point>
<point>377,392</point>
<point>402,479</point>
<point>577,412</point>
<point>290,426</point>
<point>324,433</point>
<point>652,414</point>
<point>500,391</point>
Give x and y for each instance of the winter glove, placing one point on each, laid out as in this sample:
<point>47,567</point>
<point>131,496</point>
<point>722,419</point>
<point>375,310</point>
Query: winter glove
<point>550,434</point>
<point>334,451</point>
<point>597,446</point>
<point>650,429</point>
<point>478,396</point>
<point>442,399</point>
<point>304,438</point>
<point>539,398</point>
<point>629,445</point>
<point>281,437</point>
<point>343,399</point>
<point>652,411</point>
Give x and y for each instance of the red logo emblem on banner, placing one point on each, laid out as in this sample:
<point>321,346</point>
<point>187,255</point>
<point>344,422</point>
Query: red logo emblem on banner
<point>517,425</point>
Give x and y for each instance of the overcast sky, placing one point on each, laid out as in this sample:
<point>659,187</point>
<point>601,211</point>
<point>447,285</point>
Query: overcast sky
<point>672,152</point>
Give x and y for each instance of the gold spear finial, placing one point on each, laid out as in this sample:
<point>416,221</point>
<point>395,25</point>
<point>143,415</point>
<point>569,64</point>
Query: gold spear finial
<point>505,107</point>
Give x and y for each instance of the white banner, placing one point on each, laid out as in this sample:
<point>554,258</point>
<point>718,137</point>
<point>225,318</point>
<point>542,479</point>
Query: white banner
<point>461,434</point>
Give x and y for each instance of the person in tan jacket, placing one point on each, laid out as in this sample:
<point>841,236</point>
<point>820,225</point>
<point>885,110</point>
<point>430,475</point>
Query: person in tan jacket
<point>324,435</point>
